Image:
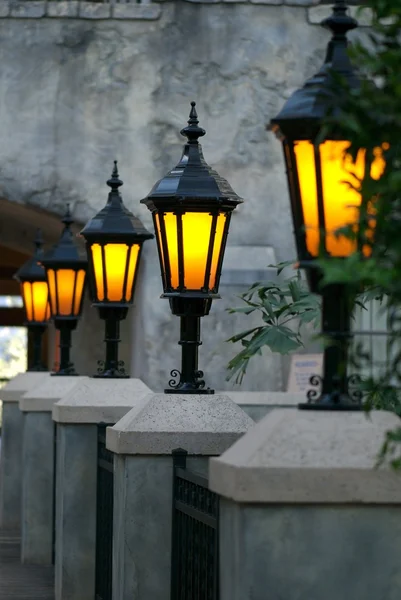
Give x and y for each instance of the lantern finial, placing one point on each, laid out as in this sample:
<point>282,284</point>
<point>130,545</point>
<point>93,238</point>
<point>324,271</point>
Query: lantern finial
<point>339,21</point>
<point>192,132</point>
<point>67,219</point>
<point>115,182</point>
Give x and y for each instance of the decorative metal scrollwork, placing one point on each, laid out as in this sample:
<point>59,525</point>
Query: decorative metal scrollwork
<point>176,381</point>
<point>352,392</point>
<point>113,370</point>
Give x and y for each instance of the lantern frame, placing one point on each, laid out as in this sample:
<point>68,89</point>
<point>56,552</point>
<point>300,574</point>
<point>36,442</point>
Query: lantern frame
<point>301,119</point>
<point>114,225</point>
<point>192,187</point>
<point>65,256</point>
<point>32,272</point>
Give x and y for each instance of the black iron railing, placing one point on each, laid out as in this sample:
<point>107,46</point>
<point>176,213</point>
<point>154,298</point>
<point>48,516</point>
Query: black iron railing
<point>195,552</point>
<point>104,519</point>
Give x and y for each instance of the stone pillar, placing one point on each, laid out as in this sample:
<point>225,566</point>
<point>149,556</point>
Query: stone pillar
<point>143,441</point>
<point>258,404</point>
<point>78,414</point>
<point>11,446</point>
<point>38,468</point>
<point>305,514</point>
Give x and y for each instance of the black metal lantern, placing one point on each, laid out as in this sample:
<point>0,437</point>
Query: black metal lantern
<point>323,187</point>
<point>191,209</point>
<point>114,239</point>
<point>66,273</point>
<point>35,295</point>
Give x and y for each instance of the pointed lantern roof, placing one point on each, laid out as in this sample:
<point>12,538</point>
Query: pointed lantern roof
<point>115,222</point>
<point>192,183</point>
<point>32,270</point>
<point>303,112</point>
<point>66,252</point>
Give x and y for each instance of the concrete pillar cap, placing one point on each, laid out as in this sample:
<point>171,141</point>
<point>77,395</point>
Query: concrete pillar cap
<point>310,457</point>
<point>53,389</point>
<point>22,383</point>
<point>201,424</point>
<point>100,400</point>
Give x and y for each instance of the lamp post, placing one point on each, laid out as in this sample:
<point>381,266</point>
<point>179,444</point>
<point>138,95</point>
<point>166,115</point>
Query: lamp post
<point>191,208</point>
<point>114,239</point>
<point>66,273</point>
<point>35,295</point>
<point>323,186</point>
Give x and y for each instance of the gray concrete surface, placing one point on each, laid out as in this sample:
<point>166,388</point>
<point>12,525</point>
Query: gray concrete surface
<point>37,488</point>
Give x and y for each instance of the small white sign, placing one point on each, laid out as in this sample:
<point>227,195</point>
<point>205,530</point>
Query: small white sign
<point>303,366</point>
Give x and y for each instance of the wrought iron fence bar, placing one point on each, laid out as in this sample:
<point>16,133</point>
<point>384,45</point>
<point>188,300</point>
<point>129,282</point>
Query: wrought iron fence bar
<point>104,464</point>
<point>196,514</point>
<point>191,477</point>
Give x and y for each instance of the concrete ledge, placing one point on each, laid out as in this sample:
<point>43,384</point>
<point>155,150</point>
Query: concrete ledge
<point>21,384</point>
<point>94,10</point>
<point>100,401</point>
<point>32,9</point>
<point>243,265</point>
<point>42,398</point>
<point>202,424</point>
<point>295,456</point>
<point>62,8</point>
<point>136,11</point>
<point>272,399</point>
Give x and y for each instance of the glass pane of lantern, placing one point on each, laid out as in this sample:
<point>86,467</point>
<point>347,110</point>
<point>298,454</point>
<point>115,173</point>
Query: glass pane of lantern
<point>159,238</point>
<point>27,295</point>
<point>115,259</point>
<point>196,229</point>
<point>133,259</point>
<point>65,290</point>
<point>51,280</point>
<point>40,297</point>
<point>78,291</point>
<point>218,238</point>
<point>170,223</point>
<point>341,201</point>
<point>98,270</point>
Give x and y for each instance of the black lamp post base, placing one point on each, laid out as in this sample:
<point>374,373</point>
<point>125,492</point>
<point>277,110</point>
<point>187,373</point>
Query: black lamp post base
<point>65,373</point>
<point>111,371</point>
<point>327,403</point>
<point>188,390</point>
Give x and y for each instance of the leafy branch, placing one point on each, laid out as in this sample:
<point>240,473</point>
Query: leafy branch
<point>285,307</point>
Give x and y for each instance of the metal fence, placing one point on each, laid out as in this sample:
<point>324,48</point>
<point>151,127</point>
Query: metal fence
<point>195,551</point>
<point>104,519</point>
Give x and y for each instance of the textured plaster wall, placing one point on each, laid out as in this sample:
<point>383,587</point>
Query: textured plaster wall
<point>76,93</point>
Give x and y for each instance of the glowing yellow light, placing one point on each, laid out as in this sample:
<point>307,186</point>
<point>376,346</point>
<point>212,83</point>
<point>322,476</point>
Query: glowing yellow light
<point>221,221</point>
<point>51,280</point>
<point>98,269</point>
<point>65,290</point>
<point>196,229</point>
<point>115,258</point>
<point>78,290</point>
<point>340,174</point>
<point>159,239</point>
<point>35,296</point>
<point>170,223</point>
<point>133,259</point>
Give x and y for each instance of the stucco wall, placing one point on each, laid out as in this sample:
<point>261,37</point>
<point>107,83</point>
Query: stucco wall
<point>76,93</point>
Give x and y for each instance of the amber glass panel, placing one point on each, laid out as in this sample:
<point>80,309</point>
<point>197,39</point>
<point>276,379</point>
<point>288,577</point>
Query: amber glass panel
<point>218,238</point>
<point>98,270</point>
<point>133,260</point>
<point>40,296</point>
<point>51,280</point>
<point>170,223</point>
<point>115,258</point>
<point>196,228</point>
<point>79,288</point>
<point>27,296</point>
<point>65,291</point>
<point>159,239</point>
<point>341,202</point>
